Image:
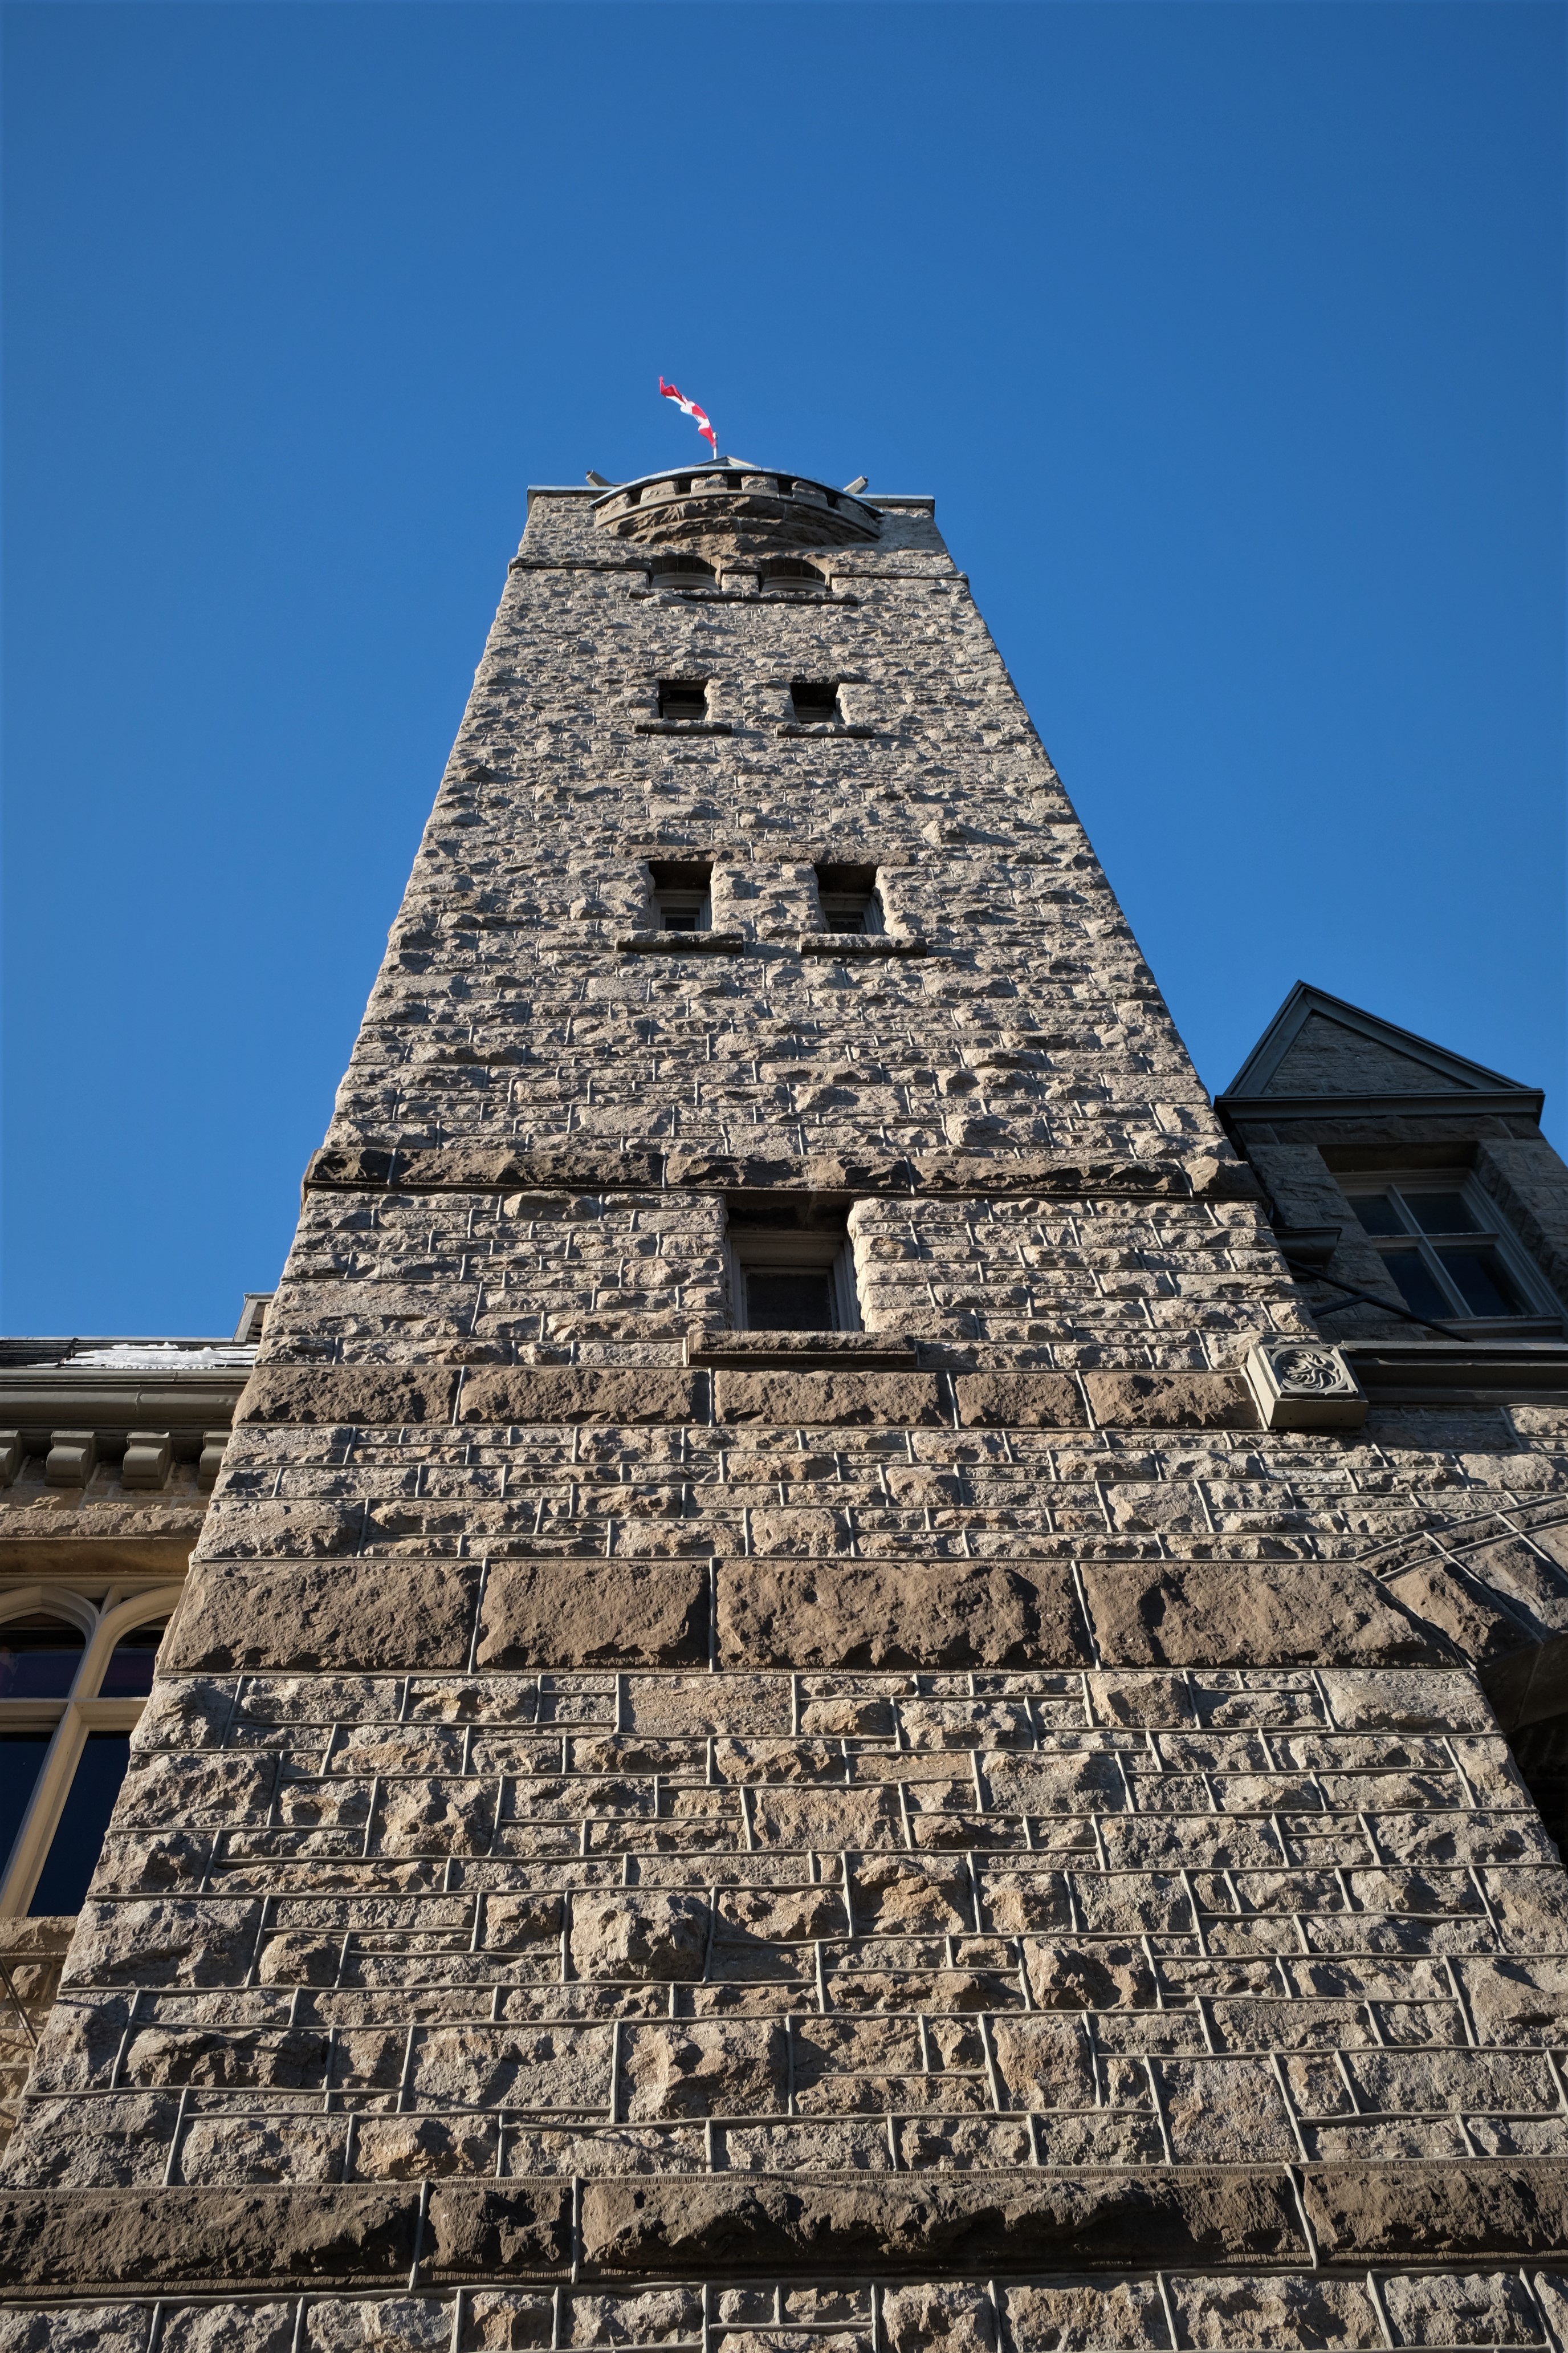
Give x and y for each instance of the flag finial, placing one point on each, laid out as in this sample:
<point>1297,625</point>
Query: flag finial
<point>689,408</point>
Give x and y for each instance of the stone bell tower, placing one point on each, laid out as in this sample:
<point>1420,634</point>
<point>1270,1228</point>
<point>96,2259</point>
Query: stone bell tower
<point>809,1718</point>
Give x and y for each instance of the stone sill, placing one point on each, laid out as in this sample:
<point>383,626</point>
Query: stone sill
<point>682,727</point>
<point>810,727</point>
<point>761,1352</point>
<point>680,943</point>
<point>859,943</point>
<point>735,596</point>
<point>1453,1374</point>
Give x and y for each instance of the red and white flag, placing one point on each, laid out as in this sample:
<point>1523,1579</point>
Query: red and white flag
<point>689,408</point>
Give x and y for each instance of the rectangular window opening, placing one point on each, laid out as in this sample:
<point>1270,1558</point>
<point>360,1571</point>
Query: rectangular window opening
<point>682,697</point>
<point>815,701</point>
<point>682,895</point>
<point>848,899</point>
<point>794,1275</point>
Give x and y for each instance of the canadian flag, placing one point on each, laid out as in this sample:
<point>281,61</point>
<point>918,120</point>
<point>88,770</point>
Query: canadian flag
<point>689,408</point>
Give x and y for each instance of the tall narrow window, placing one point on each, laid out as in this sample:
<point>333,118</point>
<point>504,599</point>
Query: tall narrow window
<point>815,701</point>
<point>792,1267</point>
<point>84,1818</point>
<point>847,898</point>
<point>682,895</point>
<point>683,698</point>
<point>64,1736</point>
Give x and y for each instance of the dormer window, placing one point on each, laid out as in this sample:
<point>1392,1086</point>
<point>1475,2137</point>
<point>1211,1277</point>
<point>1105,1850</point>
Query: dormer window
<point>1446,1244</point>
<point>682,895</point>
<point>847,898</point>
<point>683,571</point>
<point>815,701</point>
<point>683,698</point>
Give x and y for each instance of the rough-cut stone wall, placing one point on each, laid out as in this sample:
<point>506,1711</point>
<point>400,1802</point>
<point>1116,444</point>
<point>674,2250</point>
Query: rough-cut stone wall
<point>950,1837</point>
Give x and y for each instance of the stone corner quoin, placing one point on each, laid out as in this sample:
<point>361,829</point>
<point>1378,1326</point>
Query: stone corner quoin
<point>660,1818</point>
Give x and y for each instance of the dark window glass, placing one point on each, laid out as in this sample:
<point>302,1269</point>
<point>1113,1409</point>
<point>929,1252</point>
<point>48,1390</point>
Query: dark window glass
<point>678,919</point>
<point>73,1853</point>
<point>1441,1213</point>
<point>791,1302</point>
<point>1419,1283</point>
<point>39,1657</point>
<point>1541,1752</point>
<point>683,700</point>
<point>1483,1282</point>
<point>818,702</point>
<point>22,1757</point>
<point>1377,1213</point>
<point>129,1675</point>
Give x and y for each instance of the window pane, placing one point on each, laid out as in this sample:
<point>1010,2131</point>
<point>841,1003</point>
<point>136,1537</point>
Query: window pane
<point>1441,1213</point>
<point>1420,1285</point>
<point>1483,1283</point>
<point>129,1675</point>
<point>791,1302</point>
<point>39,1657</point>
<point>63,1883</point>
<point>1377,1213</point>
<point>22,1757</point>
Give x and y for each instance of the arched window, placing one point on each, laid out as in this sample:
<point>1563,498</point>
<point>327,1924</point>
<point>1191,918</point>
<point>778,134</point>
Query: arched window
<point>683,571</point>
<point>68,1706</point>
<point>790,574</point>
<point>39,1656</point>
<point>129,1675</point>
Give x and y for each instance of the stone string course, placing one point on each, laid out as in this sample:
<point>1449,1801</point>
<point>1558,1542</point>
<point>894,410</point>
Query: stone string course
<point>972,1844</point>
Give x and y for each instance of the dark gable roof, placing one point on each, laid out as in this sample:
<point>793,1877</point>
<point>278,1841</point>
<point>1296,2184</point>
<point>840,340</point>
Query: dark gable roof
<point>1319,1052</point>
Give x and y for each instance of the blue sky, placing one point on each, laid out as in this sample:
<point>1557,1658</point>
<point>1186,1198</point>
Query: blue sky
<point>1229,338</point>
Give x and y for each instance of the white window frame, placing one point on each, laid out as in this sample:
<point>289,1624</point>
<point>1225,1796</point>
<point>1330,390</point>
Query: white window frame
<point>867,904</point>
<point>1543,1309</point>
<point>698,903</point>
<point>72,1717</point>
<point>773,1250</point>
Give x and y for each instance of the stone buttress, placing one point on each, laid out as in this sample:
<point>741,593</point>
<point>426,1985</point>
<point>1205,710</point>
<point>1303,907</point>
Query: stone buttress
<point>654,1829</point>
